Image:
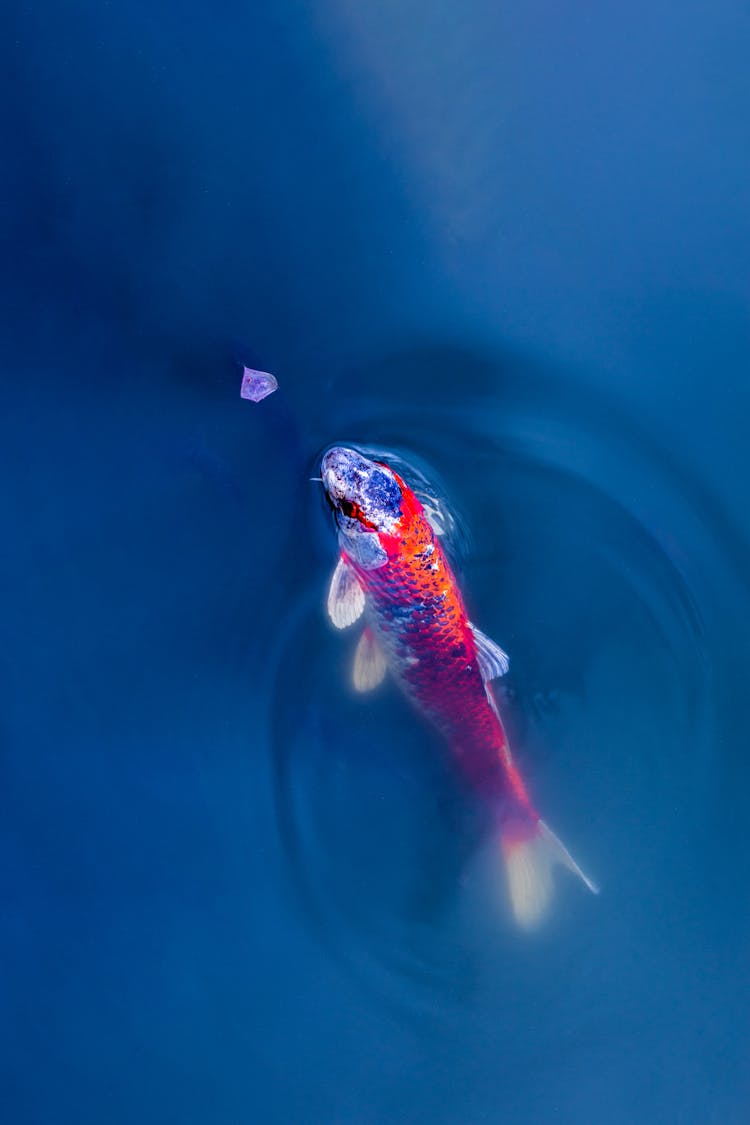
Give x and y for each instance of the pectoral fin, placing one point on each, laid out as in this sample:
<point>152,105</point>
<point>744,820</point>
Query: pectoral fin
<point>346,598</point>
<point>493,662</point>
<point>369,663</point>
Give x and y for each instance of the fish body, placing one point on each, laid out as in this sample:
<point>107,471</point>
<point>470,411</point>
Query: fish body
<point>394,574</point>
<point>414,606</point>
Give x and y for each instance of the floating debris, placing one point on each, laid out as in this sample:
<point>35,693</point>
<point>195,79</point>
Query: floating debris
<point>257,384</point>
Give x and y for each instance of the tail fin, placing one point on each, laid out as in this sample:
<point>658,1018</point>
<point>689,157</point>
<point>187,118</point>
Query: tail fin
<point>531,850</point>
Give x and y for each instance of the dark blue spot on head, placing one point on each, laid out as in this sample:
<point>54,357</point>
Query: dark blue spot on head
<point>384,493</point>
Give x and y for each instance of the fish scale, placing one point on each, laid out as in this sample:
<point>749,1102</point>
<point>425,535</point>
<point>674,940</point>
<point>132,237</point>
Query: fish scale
<point>416,611</point>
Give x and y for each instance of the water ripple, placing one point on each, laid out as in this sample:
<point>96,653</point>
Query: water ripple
<point>594,556</point>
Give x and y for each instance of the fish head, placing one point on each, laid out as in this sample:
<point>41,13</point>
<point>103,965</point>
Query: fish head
<point>367,498</point>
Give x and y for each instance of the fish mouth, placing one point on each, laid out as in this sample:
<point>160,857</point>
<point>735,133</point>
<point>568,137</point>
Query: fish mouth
<point>346,476</point>
<point>336,469</point>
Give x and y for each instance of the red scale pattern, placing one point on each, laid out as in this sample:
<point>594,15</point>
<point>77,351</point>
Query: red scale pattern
<point>416,609</point>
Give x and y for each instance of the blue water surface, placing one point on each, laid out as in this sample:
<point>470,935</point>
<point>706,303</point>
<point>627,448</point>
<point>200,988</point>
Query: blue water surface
<point>510,241</point>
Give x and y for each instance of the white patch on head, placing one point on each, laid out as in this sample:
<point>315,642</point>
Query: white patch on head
<point>333,484</point>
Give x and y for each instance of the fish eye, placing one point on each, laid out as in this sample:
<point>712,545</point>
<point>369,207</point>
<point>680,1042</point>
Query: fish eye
<point>353,511</point>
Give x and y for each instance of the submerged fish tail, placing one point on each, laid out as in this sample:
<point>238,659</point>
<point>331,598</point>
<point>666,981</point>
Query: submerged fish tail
<point>531,850</point>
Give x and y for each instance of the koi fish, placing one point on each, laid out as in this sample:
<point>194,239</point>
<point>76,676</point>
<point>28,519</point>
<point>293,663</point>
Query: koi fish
<point>394,575</point>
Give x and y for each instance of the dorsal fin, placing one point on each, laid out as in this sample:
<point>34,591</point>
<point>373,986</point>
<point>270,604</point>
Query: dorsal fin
<point>493,662</point>
<point>346,598</point>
